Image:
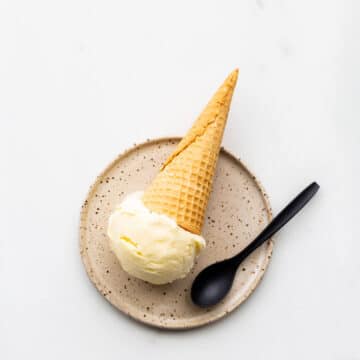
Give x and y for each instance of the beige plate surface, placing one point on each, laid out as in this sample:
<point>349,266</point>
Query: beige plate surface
<point>238,210</point>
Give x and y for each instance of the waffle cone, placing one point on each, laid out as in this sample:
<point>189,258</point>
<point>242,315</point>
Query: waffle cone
<point>182,187</point>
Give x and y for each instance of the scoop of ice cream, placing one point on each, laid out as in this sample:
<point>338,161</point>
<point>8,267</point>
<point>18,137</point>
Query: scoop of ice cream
<point>151,246</point>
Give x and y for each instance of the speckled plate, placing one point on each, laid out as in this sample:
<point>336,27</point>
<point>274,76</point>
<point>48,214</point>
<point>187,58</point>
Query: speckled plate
<point>238,210</point>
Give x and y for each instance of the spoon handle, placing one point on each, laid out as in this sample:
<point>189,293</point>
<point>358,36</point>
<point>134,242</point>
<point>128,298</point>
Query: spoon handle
<point>280,220</point>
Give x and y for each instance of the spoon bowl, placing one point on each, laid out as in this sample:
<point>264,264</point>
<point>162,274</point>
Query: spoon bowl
<point>213,283</point>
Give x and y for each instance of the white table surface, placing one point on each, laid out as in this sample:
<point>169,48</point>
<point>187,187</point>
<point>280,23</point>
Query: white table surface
<point>80,81</point>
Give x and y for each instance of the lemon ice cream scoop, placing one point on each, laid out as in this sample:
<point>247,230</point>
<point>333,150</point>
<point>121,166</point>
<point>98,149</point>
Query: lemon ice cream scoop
<point>151,246</point>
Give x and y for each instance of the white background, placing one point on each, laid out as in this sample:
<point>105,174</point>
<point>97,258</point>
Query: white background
<point>80,81</point>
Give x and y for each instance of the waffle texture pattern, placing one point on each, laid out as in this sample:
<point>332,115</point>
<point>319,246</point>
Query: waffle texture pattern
<point>182,188</point>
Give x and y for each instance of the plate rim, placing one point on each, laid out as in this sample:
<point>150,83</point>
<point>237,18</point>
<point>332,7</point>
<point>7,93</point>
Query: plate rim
<point>183,325</point>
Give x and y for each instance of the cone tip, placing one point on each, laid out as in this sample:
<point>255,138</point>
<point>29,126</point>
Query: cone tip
<point>234,75</point>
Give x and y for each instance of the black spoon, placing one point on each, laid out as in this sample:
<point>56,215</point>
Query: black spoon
<point>215,281</point>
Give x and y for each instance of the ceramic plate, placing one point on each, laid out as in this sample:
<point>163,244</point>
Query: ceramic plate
<point>238,210</point>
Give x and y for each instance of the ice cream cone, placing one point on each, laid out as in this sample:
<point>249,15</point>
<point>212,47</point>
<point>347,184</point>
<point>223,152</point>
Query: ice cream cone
<point>182,187</point>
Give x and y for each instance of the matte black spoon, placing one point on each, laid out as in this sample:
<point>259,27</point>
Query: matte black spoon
<point>215,281</point>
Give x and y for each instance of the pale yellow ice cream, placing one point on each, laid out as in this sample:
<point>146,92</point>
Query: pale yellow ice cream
<point>151,246</point>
